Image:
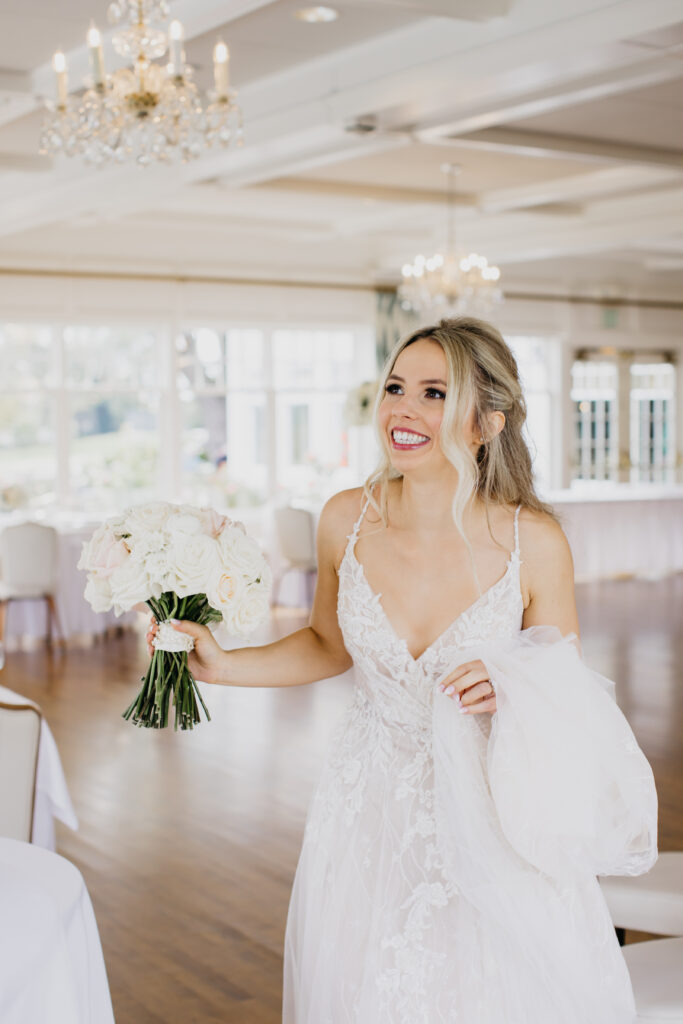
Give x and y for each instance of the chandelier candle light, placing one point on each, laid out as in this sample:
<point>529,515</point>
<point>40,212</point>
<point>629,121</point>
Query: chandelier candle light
<point>148,111</point>
<point>443,285</point>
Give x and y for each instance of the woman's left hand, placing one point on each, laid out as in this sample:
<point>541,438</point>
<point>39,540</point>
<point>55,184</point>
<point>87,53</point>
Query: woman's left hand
<point>469,685</point>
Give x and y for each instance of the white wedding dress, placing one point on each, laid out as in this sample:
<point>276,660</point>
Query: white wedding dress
<point>448,870</point>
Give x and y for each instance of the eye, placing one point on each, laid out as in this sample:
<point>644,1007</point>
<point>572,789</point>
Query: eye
<point>393,389</point>
<point>435,393</point>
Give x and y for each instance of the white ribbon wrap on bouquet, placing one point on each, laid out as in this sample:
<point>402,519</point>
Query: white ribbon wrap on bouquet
<point>561,793</point>
<point>169,639</point>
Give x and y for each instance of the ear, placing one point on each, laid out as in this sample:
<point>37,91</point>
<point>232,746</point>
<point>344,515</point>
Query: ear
<point>495,421</point>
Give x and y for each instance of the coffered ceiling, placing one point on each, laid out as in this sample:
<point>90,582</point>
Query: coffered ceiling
<point>566,119</point>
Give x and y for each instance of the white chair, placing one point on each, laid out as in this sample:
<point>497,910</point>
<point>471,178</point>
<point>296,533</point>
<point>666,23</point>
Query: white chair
<point>648,903</point>
<point>28,570</point>
<point>295,529</point>
<point>656,969</point>
<point>19,742</point>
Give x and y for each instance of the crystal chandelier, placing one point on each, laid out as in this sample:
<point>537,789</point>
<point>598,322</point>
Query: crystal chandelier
<point>148,111</point>
<point>446,284</point>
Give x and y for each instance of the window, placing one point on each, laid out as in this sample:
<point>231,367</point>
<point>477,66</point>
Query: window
<point>652,445</point>
<point>28,417</point>
<point>648,442</point>
<point>313,372</point>
<point>263,412</point>
<point>594,398</point>
<point>112,379</point>
<point>537,360</point>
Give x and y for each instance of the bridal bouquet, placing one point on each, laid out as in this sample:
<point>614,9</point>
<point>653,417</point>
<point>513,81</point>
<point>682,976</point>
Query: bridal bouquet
<point>184,563</point>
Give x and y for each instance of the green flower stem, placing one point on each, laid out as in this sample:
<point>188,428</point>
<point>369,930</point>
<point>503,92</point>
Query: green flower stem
<point>168,675</point>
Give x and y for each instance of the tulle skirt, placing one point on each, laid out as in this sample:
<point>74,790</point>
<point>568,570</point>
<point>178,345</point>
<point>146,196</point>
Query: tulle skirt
<point>448,871</point>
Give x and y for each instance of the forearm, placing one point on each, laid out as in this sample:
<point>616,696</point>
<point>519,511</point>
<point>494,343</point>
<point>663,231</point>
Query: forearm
<point>300,657</point>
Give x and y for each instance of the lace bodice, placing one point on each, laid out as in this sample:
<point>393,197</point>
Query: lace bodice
<point>385,668</point>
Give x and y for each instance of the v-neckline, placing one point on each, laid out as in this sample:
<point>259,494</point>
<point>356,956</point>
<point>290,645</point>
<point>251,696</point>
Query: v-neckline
<point>377,598</point>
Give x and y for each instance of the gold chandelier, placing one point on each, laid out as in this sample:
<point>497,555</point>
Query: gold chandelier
<point>146,112</point>
<point>446,283</point>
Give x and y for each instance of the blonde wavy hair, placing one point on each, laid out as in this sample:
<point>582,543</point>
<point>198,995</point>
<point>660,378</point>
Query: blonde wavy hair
<point>482,372</point>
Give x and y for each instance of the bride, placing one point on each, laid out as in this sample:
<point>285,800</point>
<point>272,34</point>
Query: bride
<point>483,775</point>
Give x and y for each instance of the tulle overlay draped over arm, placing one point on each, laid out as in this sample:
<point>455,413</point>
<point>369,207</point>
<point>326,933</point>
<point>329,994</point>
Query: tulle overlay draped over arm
<point>572,791</point>
<point>563,793</point>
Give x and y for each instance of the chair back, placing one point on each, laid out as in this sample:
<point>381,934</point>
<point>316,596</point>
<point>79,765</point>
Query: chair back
<point>19,742</point>
<point>28,560</point>
<point>296,536</point>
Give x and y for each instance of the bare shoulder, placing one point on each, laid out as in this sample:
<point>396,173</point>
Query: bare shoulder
<point>342,507</point>
<point>337,519</point>
<point>544,550</point>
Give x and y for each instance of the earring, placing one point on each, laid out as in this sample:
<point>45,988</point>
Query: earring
<point>481,440</point>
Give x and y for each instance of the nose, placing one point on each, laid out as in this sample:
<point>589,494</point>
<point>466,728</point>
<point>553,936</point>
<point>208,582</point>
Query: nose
<point>404,406</point>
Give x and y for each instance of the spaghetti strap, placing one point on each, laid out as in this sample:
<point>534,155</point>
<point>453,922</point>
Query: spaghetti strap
<point>516,551</point>
<point>356,526</point>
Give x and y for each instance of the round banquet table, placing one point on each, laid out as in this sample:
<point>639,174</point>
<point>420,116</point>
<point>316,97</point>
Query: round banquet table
<point>51,965</point>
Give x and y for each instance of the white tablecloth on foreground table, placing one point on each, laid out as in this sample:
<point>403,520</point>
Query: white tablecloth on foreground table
<point>51,965</point>
<point>76,618</point>
<point>52,796</point>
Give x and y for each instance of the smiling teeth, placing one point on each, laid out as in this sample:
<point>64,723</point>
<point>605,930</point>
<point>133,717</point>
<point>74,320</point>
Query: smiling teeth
<point>405,437</point>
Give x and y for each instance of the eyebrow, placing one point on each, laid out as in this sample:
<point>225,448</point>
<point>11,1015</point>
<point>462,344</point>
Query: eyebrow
<point>437,380</point>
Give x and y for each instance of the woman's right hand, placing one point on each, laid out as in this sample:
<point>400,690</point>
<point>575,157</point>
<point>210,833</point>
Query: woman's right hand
<point>205,658</point>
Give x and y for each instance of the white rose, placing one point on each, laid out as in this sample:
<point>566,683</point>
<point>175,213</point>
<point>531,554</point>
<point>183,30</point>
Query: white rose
<point>226,592</point>
<point>103,552</point>
<point>193,564</point>
<point>249,612</point>
<point>161,576</point>
<point>240,553</point>
<point>98,593</point>
<point>183,524</point>
<point>148,518</point>
<point>130,585</point>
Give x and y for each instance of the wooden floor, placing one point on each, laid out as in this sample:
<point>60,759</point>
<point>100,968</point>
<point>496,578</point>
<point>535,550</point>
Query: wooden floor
<point>188,841</point>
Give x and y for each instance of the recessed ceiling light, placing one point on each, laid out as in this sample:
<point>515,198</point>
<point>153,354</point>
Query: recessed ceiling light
<point>316,14</point>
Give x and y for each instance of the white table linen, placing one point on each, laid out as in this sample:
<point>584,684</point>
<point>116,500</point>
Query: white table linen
<point>51,965</point>
<point>623,531</point>
<point>52,795</point>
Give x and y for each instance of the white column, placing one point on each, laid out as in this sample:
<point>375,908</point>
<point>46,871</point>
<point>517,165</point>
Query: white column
<point>62,421</point>
<point>564,419</point>
<point>271,412</point>
<point>625,359</point>
<point>171,427</point>
<point>677,359</point>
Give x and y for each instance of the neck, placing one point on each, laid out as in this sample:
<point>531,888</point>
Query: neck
<point>425,506</point>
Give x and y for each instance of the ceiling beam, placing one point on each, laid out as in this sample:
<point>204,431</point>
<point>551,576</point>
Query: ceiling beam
<point>16,95</point>
<point>548,144</point>
<point>361,192</point>
<point>460,10</point>
<point>609,182</point>
<point>612,81</point>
